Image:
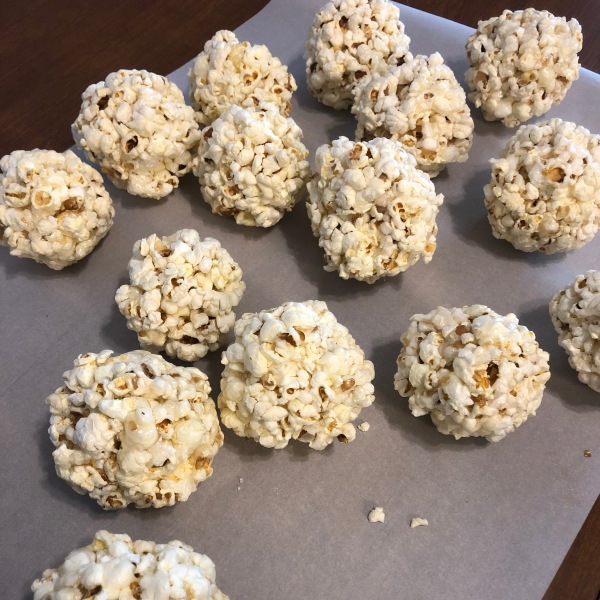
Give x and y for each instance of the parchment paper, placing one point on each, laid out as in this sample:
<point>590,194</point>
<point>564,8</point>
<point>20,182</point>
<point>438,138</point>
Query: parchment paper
<point>501,516</point>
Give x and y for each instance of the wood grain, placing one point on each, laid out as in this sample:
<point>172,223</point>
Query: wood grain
<point>56,49</point>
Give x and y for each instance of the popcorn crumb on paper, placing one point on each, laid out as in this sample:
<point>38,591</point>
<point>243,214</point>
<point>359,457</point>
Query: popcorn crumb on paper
<point>364,426</point>
<point>418,522</point>
<point>377,515</point>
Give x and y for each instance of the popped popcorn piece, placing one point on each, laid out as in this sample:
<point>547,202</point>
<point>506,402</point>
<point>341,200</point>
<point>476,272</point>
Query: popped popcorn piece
<point>137,127</point>
<point>521,64</point>
<point>133,429</point>
<point>545,189</point>
<point>231,72</point>
<point>53,207</point>
<point>182,294</point>
<point>418,522</point>
<point>420,104</point>
<point>364,426</point>
<point>349,40</point>
<point>476,372</point>
<point>372,209</point>
<point>252,165</point>
<point>575,312</point>
<point>377,515</point>
<point>294,372</point>
<point>113,566</point>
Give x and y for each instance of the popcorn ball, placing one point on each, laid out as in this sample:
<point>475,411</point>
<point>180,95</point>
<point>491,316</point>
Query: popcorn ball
<point>349,40</point>
<point>182,294</point>
<point>137,127</point>
<point>420,104</point>
<point>252,165</point>
<point>231,72</point>
<point>113,566</point>
<point>53,207</point>
<point>133,429</point>
<point>521,64</point>
<point>294,372</point>
<point>575,312</point>
<point>477,373</point>
<point>372,209</point>
<point>545,189</point>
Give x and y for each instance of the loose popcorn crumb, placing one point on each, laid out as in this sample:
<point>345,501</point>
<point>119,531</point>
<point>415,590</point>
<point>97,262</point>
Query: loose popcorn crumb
<point>294,372</point>
<point>241,480</point>
<point>522,63</point>
<point>53,207</point>
<point>587,453</point>
<point>252,165</point>
<point>545,189</point>
<point>349,40</point>
<point>239,487</point>
<point>575,312</point>
<point>372,209</point>
<point>476,372</point>
<point>421,105</point>
<point>418,522</point>
<point>231,72</point>
<point>364,426</point>
<point>377,515</point>
<point>113,566</point>
<point>182,294</point>
<point>137,127</point>
<point>133,429</point>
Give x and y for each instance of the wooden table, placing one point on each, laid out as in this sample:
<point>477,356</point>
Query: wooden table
<point>53,50</point>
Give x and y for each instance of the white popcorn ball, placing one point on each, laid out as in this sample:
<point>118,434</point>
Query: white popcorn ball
<point>137,127</point>
<point>115,567</point>
<point>521,64</point>
<point>133,429</point>
<point>182,294</point>
<point>477,373</point>
<point>545,189</point>
<point>349,40</point>
<point>420,104</point>
<point>53,207</point>
<point>231,72</point>
<point>575,312</point>
<point>252,165</point>
<point>294,372</point>
<point>372,209</point>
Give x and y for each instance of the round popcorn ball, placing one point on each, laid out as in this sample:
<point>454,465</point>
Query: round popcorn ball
<point>294,372</point>
<point>349,40</point>
<point>182,294</point>
<point>231,72</point>
<point>545,189</point>
<point>53,207</point>
<point>137,127</point>
<point>372,209</point>
<point>521,64</point>
<point>477,373</point>
<point>575,312</point>
<point>113,566</point>
<point>420,104</point>
<point>133,429</point>
<point>252,165</point>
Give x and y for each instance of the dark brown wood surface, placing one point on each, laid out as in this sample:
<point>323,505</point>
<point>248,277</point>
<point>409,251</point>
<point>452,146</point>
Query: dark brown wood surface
<point>53,50</point>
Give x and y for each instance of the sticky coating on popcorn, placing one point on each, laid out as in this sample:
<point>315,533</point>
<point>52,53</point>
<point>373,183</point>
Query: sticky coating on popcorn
<point>545,189</point>
<point>575,312</point>
<point>113,566</point>
<point>421,105</point>
<point>137,127</point>
<point>181,295</point>
<point>371,208</point>
<point>521,64</point>
<point>348,41</point>
<point>229,72</point>
<point>477,373</point>
<point>252,165</point>
<point>294,373</point>
<point>133,429</point>
<point>53,207</point>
